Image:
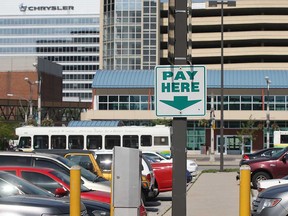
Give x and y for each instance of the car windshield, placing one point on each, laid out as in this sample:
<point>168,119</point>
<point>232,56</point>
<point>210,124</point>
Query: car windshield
<point>285,177</point>
<point>65,178</point>
<point>10,182</point>
<point>279,153</point>
<point>166,156</point>
<point>84,173</point>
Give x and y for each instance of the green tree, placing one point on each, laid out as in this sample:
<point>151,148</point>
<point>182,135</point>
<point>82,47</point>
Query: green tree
<point>249,129</point>
<point>7,132</point>
<point>166,122</point>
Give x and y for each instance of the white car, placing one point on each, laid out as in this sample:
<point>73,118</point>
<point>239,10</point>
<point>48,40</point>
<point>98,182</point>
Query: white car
<point>104,159</point>
<point>264,184</point>
<point>192,166</point>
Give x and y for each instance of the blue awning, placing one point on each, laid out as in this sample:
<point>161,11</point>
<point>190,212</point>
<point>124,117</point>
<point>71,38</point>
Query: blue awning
<point>95,123</point>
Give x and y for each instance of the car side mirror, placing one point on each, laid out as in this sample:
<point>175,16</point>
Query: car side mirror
<point>60,192</point>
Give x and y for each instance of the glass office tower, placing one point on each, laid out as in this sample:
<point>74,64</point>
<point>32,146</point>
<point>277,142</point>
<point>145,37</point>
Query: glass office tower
<point>63,31</point>
<point>130,34</point>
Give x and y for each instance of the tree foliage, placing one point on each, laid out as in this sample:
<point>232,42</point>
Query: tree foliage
<point>249,129</point>
<point>7,132</point>
<point>166,122</point>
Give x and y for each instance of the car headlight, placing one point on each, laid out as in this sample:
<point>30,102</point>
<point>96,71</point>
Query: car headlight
<point>266,203</point>
<point>100,213</point>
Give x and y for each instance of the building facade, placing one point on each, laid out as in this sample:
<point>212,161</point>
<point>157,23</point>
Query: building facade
<point>130,34</point>
<point>65,32</point>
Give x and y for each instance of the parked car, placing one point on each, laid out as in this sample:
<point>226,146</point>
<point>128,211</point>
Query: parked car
<point>192,166</point>
<point>54,181</point>
<point>24,205</point>
<point>90,180</point>
<point>268,152</point>
<point>268,168</point>
<point>163,175</point>
<point>272,201</point>
<point>84,158</point>
<point>104,160</point>
<point>18,197</point>
<point>262,185</point>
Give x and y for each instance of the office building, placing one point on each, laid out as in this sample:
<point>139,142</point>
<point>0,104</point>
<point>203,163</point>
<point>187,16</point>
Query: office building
<point>62,31</point>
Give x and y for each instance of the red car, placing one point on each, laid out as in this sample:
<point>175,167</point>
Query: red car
<point>163,176</point>
<point>54,181</point>
<point>58,183</point>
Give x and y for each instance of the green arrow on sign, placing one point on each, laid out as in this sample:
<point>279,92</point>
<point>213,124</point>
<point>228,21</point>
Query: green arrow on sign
<point>180,102</point>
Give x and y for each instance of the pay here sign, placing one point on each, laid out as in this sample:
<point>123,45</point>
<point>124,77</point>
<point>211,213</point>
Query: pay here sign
<point>180,90</point>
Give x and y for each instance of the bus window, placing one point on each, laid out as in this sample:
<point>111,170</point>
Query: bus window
<point>130,141</point>
<point>58,142</point>
<point>111,141</point>
<point>284,139</point>
<point>146,140</point>
<point>76,142</point>
<point>40,142</point>
<point>161,140</point>
<point>94,142</point>
<point>24,142</point>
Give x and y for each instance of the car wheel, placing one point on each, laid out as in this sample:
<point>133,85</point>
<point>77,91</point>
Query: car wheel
<point>259,176</point>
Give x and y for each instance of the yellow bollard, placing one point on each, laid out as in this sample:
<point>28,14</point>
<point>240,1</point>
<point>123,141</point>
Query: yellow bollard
<point>75,183</point>
<point>245,191</point>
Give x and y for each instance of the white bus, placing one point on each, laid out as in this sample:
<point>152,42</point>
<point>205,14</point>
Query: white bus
<point>155,138</point>
<point>280,139</point>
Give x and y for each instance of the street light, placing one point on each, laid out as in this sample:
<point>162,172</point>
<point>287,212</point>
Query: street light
<point>20,102</point>
<point>212,127</point>
<point>30,95</point>
<point>229,4</point>
<point>268,81</point>
<point>39,94</point>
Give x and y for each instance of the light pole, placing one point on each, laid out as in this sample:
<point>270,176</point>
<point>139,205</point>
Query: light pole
<point>229,4</point>
<point>20,102</point>
<point>39,94</point>
<point>30,95</point>
<point>212,127</point>
<point>268,81</point>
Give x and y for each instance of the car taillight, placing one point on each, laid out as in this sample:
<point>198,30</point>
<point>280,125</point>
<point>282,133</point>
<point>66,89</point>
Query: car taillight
<point>245,157</point>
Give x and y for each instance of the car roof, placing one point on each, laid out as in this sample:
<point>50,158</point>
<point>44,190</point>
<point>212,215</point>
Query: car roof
<point>21,153</point>
<point>27,168</point>
<point>62,152</point>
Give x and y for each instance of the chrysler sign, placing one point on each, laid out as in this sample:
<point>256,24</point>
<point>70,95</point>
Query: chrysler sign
<point>24,8</point>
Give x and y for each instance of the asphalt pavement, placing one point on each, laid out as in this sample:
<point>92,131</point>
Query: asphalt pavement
<point>211,193</point>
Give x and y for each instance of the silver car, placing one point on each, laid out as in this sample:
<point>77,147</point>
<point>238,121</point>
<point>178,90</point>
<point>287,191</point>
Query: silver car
<point>272,201</point>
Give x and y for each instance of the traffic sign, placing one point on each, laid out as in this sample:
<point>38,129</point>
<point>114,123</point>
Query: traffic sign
<point>180,90</point>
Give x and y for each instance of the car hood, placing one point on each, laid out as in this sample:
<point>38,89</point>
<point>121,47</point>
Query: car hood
<point>158,165</point>
<point>256,160</point>
<point>271,182</point>
<point>273,191</point>
<point>99,196</point>
<point>99,186</point>
<point>60,205</point>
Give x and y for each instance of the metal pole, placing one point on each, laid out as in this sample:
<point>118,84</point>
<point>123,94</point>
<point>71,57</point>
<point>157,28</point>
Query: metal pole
<point>268,81</point>
<point>30,102</point>
<point>222,95</point>
<point>179,124</point>
<point>212,119</point>
<point>39,101</point>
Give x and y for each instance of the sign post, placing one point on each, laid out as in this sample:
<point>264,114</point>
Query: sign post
<point>180,92</point>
